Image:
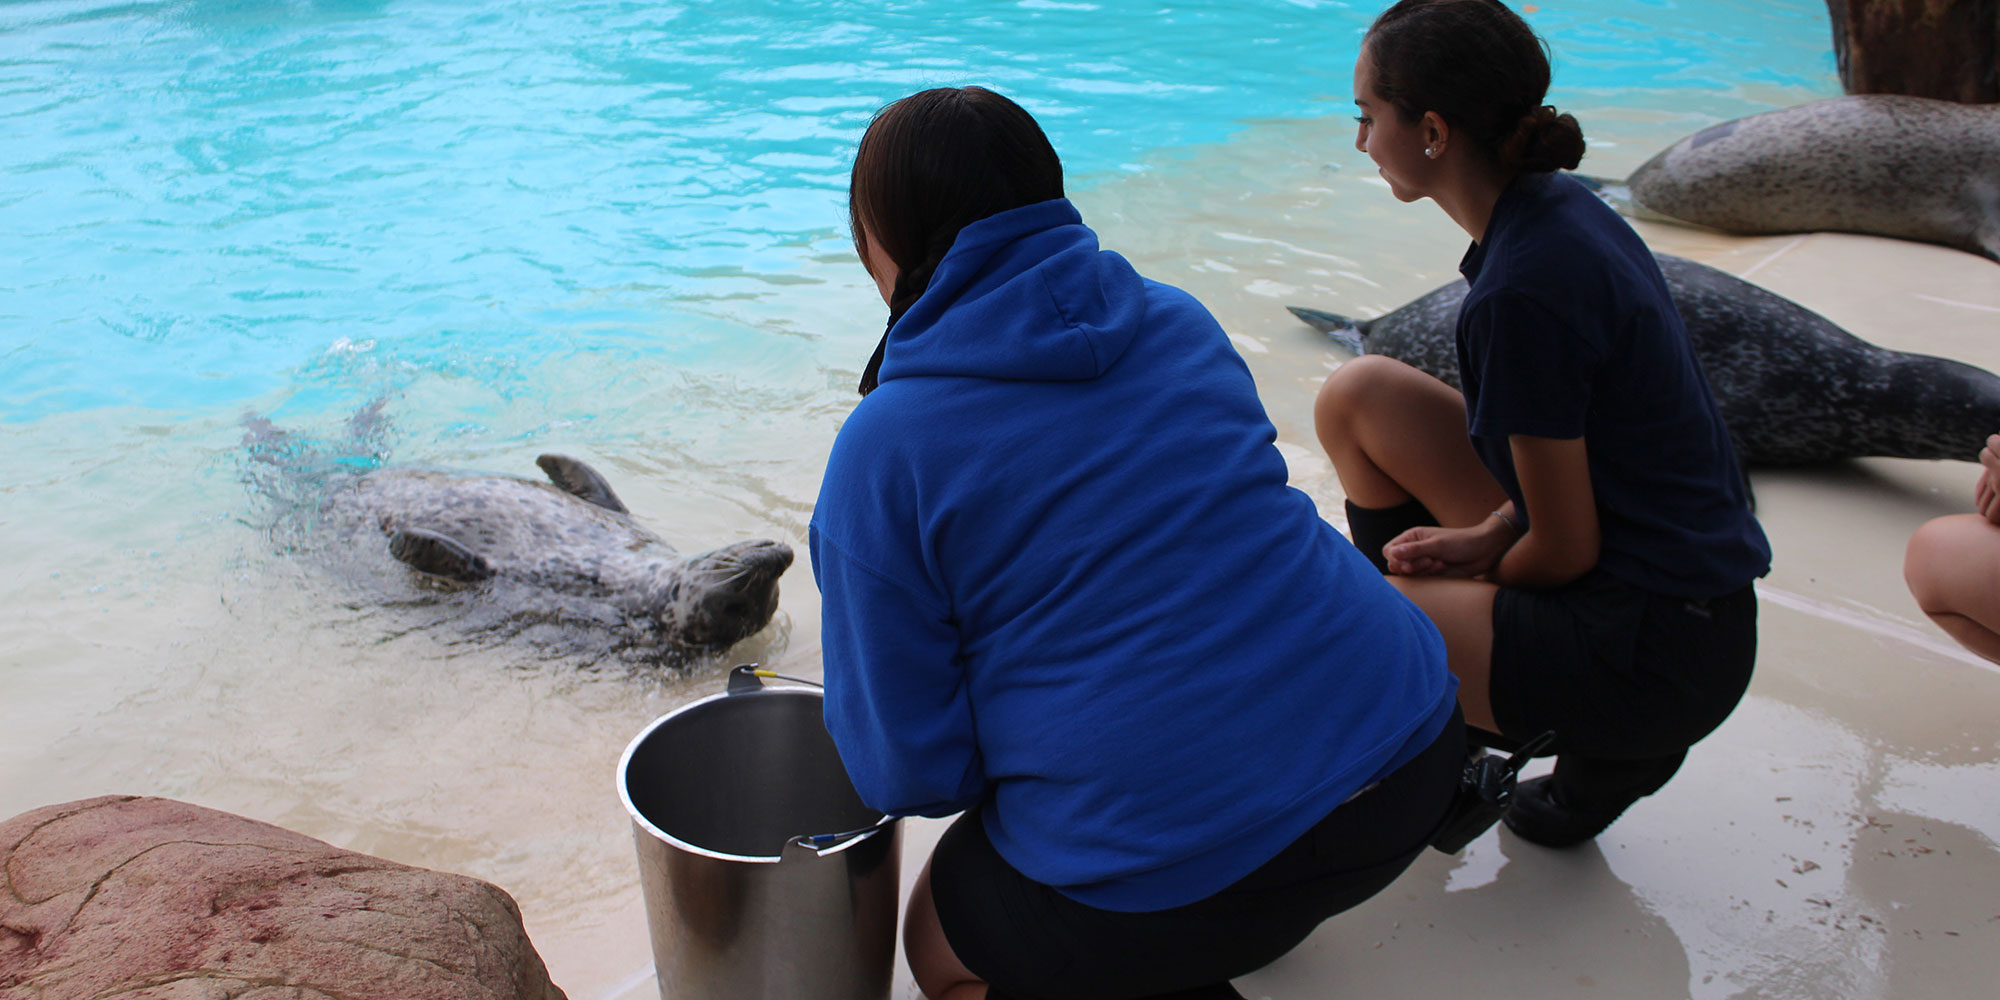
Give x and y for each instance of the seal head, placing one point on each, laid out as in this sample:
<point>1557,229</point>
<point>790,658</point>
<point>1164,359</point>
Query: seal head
<point>1883,164</point>
<point>721,597</point>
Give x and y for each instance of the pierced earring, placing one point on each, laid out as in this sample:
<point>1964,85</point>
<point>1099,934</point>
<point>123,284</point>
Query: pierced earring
<point>1431,152</point>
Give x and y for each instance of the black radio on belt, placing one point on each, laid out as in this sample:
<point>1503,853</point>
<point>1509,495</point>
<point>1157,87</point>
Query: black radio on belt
<point>1483,794</point>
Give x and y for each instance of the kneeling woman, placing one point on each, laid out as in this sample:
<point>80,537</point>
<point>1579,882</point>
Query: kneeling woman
<point>1593,573</point>
<point>1068,592</point>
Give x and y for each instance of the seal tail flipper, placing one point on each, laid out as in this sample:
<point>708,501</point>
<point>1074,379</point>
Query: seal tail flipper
<point>1349,333</point>
<point>581,480</point>
<point>430,552</point>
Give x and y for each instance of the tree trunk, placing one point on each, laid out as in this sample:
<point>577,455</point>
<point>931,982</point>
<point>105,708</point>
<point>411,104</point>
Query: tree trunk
<point>1947,49</point>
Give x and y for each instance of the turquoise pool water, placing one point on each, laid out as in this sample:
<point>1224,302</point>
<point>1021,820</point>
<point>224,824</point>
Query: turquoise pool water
<point>613,229</point>
<point>218,204</point>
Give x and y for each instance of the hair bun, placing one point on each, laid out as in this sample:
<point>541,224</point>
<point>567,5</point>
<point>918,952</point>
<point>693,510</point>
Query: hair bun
<point>1546,140</point>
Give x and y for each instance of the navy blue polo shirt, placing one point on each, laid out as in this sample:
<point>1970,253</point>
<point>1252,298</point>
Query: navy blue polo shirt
<point>1569,331</point>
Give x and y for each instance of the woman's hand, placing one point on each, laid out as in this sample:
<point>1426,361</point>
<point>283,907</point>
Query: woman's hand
<point>1456,552</point>
<point>1986,496</point>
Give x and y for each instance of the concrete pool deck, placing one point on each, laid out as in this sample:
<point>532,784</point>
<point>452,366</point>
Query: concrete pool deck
<point>1839,836</point>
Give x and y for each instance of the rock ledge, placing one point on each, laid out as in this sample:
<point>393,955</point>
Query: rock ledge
<point>153,899</point>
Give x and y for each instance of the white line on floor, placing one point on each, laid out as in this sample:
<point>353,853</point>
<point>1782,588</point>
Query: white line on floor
<point>1953,302</point>
<point>1872,624</point>
<point>1775,254</point>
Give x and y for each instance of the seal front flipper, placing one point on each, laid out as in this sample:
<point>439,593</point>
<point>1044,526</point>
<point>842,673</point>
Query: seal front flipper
<point>1346,332</point>
<point>580,480</point>
<point>430,552</point>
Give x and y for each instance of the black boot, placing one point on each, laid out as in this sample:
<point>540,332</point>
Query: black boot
<point>1538,815</point>
<point>1583,796</point>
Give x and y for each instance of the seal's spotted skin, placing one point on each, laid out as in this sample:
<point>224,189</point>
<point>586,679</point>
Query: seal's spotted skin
<point>468,528</point>
<point>1793,388</point>
<point>1907,167</point>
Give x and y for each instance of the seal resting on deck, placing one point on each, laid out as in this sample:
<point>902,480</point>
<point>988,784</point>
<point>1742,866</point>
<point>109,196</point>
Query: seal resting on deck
<point>1887,165</point>
<point>573,536</point>
<point>1793,388</point>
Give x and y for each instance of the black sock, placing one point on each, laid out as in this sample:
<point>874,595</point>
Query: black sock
<point>1373,527</point>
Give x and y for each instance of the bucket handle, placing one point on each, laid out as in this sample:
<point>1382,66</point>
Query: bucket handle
<point>744,679</point>
<point>823,844</point>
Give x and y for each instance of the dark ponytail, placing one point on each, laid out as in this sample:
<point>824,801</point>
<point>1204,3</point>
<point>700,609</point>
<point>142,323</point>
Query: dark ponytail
<point>910,285</point>
<point>1544,140</point>
<point>932,164</point>
<point>1483,70</point>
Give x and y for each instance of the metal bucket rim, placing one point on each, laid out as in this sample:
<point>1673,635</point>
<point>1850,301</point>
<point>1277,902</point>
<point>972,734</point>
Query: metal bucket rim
<point>639,819</point>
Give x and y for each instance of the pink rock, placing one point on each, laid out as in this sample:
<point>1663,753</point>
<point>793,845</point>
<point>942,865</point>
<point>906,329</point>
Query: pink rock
<point>153,899</point>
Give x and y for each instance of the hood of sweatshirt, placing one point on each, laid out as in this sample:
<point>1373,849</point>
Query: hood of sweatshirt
<point>1025,295</point>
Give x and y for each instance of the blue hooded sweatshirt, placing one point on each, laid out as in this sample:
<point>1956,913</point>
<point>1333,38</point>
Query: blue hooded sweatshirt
<point>1063,576</point>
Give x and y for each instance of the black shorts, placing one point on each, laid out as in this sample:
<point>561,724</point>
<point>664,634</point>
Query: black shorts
<point>1616,672</point>
<point>1030,941</point>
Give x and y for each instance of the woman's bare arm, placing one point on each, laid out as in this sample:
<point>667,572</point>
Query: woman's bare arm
<point>1563,536</point>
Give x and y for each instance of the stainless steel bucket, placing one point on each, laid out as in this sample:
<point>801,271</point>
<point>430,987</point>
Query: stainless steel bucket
<point>765,876</point>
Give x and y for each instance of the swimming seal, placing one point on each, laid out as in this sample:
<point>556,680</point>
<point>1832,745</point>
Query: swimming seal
<point>1793,388</point>
<point>571,536</point>
<point>1886,165</point>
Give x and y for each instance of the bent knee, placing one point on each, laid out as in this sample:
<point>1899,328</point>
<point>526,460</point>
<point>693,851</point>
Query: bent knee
<point>1351,387</point>
<point>1920,562</point>
<point>1935,560</point>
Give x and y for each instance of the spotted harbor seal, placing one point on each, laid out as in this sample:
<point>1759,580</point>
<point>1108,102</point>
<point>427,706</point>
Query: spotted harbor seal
<point>1886,165</point>
<point>572,536</point>
<point>1793,387</point>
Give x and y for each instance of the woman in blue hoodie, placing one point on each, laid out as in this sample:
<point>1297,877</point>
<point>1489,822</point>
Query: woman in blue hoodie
<point>1068,592</point>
